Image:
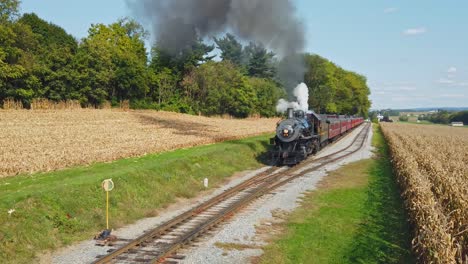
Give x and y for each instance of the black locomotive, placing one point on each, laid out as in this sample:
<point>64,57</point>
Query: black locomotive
<point>305,133</point>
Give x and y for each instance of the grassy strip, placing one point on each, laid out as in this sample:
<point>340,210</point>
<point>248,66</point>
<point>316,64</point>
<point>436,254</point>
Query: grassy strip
<point>356,216</point>
<point>55,209</point>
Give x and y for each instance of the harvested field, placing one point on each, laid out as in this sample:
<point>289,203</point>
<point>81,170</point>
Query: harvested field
<point>432,168</point>
<point>40,141</point>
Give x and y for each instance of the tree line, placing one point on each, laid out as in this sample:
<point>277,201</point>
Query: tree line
<point>39,59</point>
<point>446,117</point>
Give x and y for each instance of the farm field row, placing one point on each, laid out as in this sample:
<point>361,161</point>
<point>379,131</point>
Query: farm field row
<point>432,167</point>
<point>41,141</point>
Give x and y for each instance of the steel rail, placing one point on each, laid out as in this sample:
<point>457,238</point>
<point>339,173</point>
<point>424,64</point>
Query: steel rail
<point>264,178</point>
<point>269,186</point>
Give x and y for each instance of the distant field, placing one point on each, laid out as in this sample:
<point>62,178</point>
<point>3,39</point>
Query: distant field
<point>432,168</point>
<point>39,141</point>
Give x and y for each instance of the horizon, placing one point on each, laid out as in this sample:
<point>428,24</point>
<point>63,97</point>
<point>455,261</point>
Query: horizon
<point>448,108</point>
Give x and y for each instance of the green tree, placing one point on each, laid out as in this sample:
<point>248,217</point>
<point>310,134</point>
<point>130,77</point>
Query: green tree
<point>48,34</point>
<point>17,60</point>
<point>183,61</point>
<point>54,55</point>
<point>168,70</point>
<point>441,117</point>
<point>230,49</point>
<point>356,101</point>
<point>163,86</point>
<point>111,63</point>
<point>460,117</point>
<point>9,10</point>
<point>319,79</point>
<point>335,90</point>
<point>217,88</point>
<point>268,93</point>
<point>260,62</point>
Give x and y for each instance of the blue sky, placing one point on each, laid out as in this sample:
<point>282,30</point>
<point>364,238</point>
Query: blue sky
<point>414,53</point>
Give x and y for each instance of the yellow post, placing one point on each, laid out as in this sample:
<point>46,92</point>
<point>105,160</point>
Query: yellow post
<point>107,210</point>
<point>107,185</point>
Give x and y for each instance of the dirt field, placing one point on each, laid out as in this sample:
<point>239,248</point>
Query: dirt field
<point>38,141</point>
<point>432,168</point>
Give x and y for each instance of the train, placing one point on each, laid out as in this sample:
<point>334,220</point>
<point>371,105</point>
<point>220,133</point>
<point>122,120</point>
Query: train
<point>304,133</point>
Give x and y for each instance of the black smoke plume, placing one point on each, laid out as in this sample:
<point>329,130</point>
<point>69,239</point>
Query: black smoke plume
<point>177,23</point>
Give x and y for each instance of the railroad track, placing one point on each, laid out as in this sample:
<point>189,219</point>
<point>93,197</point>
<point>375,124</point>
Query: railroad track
<point>160,244</point>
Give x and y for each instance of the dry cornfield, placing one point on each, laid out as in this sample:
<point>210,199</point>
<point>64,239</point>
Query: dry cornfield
<point>45,104</point>
<point>40,141</point>
<point>432,167</point>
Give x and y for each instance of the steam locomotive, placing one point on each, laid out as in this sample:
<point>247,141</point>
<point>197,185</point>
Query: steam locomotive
<point>305,133</point>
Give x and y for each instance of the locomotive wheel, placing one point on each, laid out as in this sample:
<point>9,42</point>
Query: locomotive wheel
<point>275,160</point>
<point>304,153</point>
<point>316,148</point>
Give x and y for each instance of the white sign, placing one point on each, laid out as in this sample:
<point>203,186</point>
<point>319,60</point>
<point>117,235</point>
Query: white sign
<point>108,185</point>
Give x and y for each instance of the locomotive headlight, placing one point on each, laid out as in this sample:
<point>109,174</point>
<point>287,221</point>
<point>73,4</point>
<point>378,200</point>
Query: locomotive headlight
<point>286,132</point>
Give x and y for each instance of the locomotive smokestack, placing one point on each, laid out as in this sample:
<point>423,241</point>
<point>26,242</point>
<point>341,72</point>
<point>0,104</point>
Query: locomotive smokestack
<point>290,113</point>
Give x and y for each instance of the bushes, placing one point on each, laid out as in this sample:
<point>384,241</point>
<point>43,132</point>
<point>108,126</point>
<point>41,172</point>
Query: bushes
<point>403,118</point>
<point>217,88</point>
<point>268,94</point>
<point>460,117</point>
<point>445,117</point>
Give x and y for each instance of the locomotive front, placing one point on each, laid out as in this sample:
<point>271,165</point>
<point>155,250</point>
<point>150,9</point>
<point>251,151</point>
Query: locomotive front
<point>291,129</point>
<point>292,141</point>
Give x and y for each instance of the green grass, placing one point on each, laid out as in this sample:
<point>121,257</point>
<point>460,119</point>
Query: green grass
<point>58,208</point>
<point>356,216</point>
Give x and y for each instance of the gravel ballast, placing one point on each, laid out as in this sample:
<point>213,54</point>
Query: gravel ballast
<point>240,230</point>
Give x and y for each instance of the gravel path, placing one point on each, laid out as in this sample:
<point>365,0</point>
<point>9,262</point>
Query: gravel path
<point>240,230</point>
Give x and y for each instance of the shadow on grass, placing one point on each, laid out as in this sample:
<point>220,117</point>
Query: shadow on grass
<point>384,236</point>
<point>262,147</point>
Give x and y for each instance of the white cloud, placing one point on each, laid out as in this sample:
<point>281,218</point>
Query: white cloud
<point>452,70</point>
<point>452,95</point>
<point>397,86</point>
<point>445,81</point>
<point>414,31</point>
<point>406,88</point>
<point>451,82</point>
<point>390,10</point>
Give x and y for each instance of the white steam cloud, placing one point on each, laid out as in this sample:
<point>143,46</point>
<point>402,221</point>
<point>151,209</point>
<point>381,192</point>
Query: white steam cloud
<point>302,95</point>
